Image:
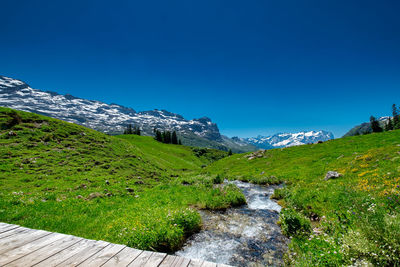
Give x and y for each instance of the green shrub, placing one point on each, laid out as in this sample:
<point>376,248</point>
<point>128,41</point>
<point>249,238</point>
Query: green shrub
<point>218,179</point>
<point>225,197</point>
<point>265,180</point>
<point>279,193</point>
<point>294,224</point>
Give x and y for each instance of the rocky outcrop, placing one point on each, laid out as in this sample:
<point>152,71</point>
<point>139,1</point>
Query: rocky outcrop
<point>332,175</point>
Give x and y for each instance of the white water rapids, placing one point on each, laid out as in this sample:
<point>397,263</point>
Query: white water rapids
<point>242,236</point>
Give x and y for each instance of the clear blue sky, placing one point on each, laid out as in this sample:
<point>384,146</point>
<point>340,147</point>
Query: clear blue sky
<point>254,67</point>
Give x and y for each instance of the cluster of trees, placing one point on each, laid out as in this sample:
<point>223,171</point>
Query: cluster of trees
<point>167,137</point>
<point>393,123</point>
<point>132,130</point>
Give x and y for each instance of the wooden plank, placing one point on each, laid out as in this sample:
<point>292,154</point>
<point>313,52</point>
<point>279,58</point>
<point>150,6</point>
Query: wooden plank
<point>123,258</point>
<point>81,256</point>
<point>15,241</point>
<point>65,254</point>
<point>181,262</point>
<point>103,256</point>
<point>174,261</point>
<point>155,259</point>
<point>2,225</point>
<point>12,231</point>
<point>11,227</point>
<point>168,261</point>
<point>208,264</point>
<point>195,263</point>
<point>141,259</point>
<point>45,252</point>
<point>26,249</point>
<point>7,227</point>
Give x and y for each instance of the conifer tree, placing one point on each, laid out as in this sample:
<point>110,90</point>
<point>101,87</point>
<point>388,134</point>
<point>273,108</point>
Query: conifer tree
<point>389,125</point>
<point>396,119</point>
<point>128,129</point>
<point>163,138</point>
<point>167,137</point>
<point>136,130</point>
<point>376,128</point>
<point>174,138</point>
<point>158,136</point>
<point>230,152</point>
<point>179,142</point>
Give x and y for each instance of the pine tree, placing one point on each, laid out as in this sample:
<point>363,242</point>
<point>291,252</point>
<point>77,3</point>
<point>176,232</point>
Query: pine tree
<point>167,137</point>
<point>163,139</point>
<point>158,136</point>
<point>179,142</point>
<point>128,129</point>
<point>230,152</point>
<point>376,128</point>
<point>136,130</point>
<point>389,125</point>
<point>396,121</point>
<point>174,138</point>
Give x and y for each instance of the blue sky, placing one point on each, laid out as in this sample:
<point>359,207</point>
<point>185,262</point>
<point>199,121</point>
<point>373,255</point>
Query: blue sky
<point>253,67</point>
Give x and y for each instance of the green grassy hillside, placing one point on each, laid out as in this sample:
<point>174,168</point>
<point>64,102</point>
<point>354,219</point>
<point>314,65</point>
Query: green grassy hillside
<point>173,158</point>
<point>133,190</point>
<point>354,218</point>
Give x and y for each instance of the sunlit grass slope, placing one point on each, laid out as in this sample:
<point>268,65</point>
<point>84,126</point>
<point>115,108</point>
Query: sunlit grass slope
<point>174,158</point>
<point>350,219</point>
<point>133,190</point>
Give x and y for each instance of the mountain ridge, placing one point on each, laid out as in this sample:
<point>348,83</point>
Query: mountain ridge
<point>280,140</point>
<point>365,127</point>
<point>113,118</point>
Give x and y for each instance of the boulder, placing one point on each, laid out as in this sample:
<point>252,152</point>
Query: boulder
<point>130,190</point>
<point>332,175</point>
<point>12,133</point>
<point>94,195</point>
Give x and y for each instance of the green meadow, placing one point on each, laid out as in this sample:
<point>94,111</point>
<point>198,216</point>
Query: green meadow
<point>131,190</point>
<point>136,191</point>
<point>352,219</point>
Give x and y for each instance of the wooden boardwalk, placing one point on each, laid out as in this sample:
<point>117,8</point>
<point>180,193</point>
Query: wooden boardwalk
<point>20,246</point>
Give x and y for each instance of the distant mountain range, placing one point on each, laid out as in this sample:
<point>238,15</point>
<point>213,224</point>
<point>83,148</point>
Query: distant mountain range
<point>287,139</point>
<point>113,118</point>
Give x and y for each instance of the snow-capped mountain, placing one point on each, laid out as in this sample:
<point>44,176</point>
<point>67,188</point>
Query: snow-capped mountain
<point>288,139</point>
<point>110,118</point>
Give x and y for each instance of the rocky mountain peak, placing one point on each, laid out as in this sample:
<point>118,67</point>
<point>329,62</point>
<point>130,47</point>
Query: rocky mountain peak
<point>9,84</point>
<point>108,118</point>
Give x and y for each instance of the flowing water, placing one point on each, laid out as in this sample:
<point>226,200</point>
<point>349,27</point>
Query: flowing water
<point>243,236</point>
